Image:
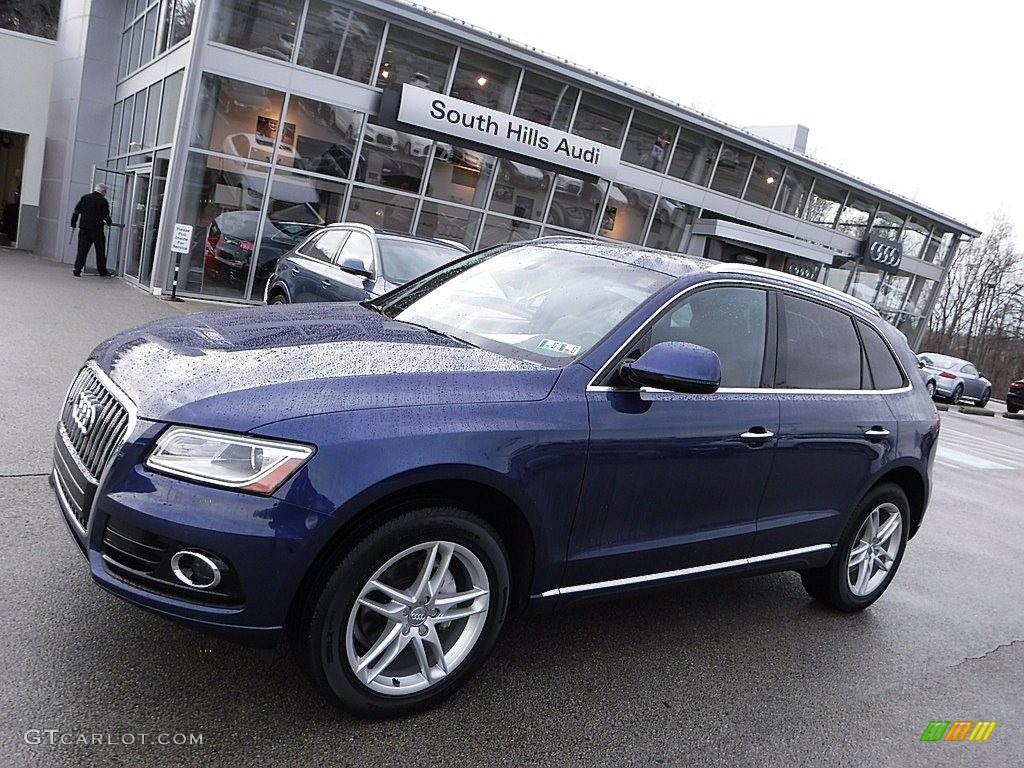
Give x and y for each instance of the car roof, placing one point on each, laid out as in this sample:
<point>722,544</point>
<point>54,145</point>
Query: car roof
<point>946,358</point>
<point>673,265</point>
<point>680,265</point>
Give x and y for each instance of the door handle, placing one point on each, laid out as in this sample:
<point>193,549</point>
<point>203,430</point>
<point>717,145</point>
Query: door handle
<point>326,283</point>
<point>295,270</point>
<point>876,433</point>
<point>757,433</point>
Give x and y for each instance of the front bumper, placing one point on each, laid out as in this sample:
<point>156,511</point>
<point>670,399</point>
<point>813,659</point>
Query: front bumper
<point>266,544</point>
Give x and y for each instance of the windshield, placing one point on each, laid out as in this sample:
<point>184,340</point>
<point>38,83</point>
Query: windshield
<point>533,302</point>
<point>405,260</point>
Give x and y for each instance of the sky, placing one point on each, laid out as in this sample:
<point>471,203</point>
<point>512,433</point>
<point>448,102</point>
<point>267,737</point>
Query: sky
<point>924,99</point>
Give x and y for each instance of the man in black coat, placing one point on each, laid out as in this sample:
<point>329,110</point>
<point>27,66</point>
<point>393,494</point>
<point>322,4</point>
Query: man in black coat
<point>94,211</point>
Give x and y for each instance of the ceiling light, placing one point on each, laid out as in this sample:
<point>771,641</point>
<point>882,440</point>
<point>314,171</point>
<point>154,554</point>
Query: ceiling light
<point>770,180</point>
<point>481,81</point>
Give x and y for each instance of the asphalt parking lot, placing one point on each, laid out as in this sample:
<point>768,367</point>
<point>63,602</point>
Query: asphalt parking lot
<point>744,672</point>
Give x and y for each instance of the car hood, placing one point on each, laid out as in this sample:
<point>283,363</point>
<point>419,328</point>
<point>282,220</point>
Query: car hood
<point>240,369</point>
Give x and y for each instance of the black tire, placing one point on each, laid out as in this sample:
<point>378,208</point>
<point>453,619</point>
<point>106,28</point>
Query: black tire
<point>830,583</point>
<point>320,637</point>
<point>958,392</point>
<point>983,400</point>
<point>278,298</point>
<point>1012,408</point>
<point>930,386</point>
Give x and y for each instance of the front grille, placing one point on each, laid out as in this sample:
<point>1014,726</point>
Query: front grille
<point>93,425</point>
<point>143,558</point>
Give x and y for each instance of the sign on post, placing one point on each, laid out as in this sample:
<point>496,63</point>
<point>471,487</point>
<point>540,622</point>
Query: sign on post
<point>181,241</point>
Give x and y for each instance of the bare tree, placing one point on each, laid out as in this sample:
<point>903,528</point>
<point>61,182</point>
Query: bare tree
<point>979,313</point>
<point>32,17</point>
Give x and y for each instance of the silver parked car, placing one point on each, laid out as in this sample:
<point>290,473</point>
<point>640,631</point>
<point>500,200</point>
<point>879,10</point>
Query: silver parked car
<point>953,379</point>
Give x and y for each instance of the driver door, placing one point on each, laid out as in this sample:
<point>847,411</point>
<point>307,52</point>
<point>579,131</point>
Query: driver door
<point>673,480</point>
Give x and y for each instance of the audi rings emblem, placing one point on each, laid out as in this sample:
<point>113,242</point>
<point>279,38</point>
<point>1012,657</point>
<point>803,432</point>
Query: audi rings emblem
<point>885,253</point>
<point>806,271</point>
<point>83,411</point>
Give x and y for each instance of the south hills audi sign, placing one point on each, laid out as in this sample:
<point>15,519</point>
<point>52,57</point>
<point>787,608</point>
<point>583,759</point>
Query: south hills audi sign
<point>440,115</point>
<point>883,253</point>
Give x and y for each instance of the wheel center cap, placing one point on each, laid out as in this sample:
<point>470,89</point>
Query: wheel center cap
<point>417,616</point>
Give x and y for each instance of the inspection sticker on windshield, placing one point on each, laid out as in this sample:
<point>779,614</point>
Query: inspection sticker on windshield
<point>560,346</point>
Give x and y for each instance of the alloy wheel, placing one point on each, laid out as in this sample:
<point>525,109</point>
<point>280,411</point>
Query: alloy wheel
<point>417,618</point>
<point>874,549</point>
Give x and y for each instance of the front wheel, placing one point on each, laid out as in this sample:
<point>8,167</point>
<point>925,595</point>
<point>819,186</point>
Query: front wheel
<point>278,298</point>
<point>869,552</point>
<point>958,392</point>
<point>408,615</point>
<point>1012,408</point>
<point>930,386</point>
<point>983,400</point>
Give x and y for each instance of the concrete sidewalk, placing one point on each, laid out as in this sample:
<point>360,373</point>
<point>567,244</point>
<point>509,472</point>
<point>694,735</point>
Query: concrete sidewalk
<point>49,321</point>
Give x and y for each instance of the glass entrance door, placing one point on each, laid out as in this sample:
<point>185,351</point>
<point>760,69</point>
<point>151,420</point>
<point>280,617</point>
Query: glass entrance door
<point>136,225</point>
<point>117,186</point>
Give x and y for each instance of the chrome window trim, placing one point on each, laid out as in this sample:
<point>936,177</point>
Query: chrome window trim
<point>629,580</point>
<point>603,370</point>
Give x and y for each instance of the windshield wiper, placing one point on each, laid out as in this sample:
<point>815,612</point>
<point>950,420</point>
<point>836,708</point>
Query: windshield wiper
<point>436,332</point>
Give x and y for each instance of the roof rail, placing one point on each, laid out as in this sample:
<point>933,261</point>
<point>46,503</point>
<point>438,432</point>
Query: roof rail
<point>802,282</point>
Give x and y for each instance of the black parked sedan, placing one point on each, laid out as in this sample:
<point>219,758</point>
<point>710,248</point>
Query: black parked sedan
<point>1015,396</point>
<point>353,262</point>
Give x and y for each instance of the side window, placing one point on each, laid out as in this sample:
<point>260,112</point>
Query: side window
<point>818,347</point>
<point>324,247</point>
<point>307,248</point>
<point>885,371</point>
<point>970,370</point>
<point>360,248</point>
<point>729,321</point>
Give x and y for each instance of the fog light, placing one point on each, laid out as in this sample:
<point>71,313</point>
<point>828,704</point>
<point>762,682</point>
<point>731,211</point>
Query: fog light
<point>195,569</point>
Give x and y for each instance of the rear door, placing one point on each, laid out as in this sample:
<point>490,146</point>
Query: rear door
<point>836,429</point>
<point>345,285</point>
<point>313,264</point>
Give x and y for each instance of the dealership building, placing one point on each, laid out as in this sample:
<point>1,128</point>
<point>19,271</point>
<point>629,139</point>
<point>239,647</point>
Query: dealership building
<point>245,122</point>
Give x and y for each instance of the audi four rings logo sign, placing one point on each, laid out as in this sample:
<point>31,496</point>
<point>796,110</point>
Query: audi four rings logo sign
<point>800,268</point>
<point>885,253</point>
<point>83,412</point>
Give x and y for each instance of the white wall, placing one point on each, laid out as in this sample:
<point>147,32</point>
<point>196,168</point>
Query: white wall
<point>24,108</point>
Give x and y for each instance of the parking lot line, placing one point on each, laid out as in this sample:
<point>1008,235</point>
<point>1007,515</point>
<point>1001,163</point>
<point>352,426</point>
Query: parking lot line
<point>955,458</point>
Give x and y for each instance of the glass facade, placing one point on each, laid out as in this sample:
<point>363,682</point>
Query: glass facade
<point>265,165</point>
<point>150,28</point>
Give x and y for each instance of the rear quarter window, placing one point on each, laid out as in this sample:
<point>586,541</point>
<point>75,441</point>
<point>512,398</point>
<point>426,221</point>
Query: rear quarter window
<point>885,371</point>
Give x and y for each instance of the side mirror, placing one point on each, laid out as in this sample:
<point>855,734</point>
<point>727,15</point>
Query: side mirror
<point>678,367</point>
<point>355,267</point>
<point>920,363</point>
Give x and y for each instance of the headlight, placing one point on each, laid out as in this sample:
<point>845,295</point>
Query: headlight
<point>246,463</point>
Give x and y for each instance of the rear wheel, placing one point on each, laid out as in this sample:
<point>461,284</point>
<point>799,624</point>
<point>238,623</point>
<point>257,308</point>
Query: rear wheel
<point>868,554</point>
<point>408,614</point>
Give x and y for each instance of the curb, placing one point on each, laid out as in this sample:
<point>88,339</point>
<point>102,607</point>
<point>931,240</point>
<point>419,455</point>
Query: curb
<point>975,411</point>
<point>941,407</point>
<point>1017,416</point>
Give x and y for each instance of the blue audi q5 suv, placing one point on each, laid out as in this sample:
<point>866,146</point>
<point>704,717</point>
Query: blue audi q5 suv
<point>387,483</point>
